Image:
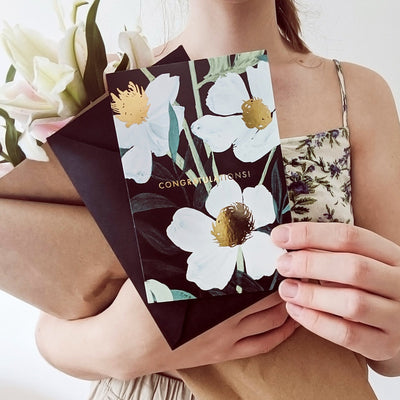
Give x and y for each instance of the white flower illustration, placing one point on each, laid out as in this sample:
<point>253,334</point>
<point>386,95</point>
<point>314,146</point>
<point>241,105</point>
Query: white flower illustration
<point>243,120</point>
<point>215,242</point>
<point>142,123</point>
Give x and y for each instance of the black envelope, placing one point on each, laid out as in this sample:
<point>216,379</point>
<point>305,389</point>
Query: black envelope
<point>88,150</point>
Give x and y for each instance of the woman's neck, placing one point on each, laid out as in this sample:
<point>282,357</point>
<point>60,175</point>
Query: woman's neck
<point>220,27</point>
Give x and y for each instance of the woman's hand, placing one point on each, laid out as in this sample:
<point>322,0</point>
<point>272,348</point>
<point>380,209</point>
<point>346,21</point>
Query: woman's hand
<point>349,292</point>
<point>124,342</point>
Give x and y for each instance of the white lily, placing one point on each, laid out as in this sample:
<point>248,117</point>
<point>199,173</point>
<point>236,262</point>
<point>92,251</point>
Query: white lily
<point>23,45</point>
<point>137,48</point>
<point>32,151</point>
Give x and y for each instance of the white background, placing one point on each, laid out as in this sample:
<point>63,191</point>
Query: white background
<point>361,31</point>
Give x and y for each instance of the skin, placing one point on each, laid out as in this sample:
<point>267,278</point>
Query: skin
<point>354,302</point>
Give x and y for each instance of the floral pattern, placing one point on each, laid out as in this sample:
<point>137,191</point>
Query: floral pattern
<point>243,120</point>
<point>142,123</point>
<point>231,232</point>
<point>317,170</point>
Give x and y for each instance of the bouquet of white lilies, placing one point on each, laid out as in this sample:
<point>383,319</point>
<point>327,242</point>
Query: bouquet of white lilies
<point>49,83</point>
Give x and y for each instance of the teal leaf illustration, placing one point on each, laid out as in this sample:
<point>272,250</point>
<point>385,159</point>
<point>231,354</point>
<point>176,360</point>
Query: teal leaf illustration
<point>122,151</point>
<point>173,135</point>
<point>14,152</point>
<point>219,66</point>
<point>181,295</point>
<point>279,190</point>
<point>161,270</point>
<point>96,58</point>
<point>161,173</point>
<point>156,238</point>
<point>243,60</point>
<point>150,201</point>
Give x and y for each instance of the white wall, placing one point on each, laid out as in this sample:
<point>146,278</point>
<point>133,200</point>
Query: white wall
<point>361,31</point>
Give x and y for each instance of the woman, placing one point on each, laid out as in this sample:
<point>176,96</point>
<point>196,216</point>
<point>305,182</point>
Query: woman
<point>349,292</point>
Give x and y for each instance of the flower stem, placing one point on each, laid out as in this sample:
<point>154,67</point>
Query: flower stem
<point>264,174</point>
<point>199,111</point>
<point>195,155</point>
<point>148,74</point>
<point>240,267</point>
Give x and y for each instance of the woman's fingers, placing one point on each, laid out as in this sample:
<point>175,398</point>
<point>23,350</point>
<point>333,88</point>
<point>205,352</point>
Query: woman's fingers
<point>344,268</point>
<point>372,342</point>
<point>336,237</point>
<point>347,302</point>
<point>262,321</point>
<point>263,342</point>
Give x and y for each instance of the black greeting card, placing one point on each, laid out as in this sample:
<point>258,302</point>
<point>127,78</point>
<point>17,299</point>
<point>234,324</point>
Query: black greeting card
<point>89,152</point>
<point>200,151</point>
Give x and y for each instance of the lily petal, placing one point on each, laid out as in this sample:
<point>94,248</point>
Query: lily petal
<point>190,229</point>
<point>70,53</point>
<point>31,149</point>
<point>24,104</point>
<point>135,135</point>
<point>211,267</point>
<point>41,129</point>
<point>137,164</point>
<point>219,132</point>
<point>157,292</point>
<point>137,48</point>
<point>260,255</point>
<point>161,92</point>
<point>51,81</point>
<point>256,144</point>
<point>227,95</point>
<point>260,201</point>
<point>225,193</point>
<point>260,83</point>
<point>23,44</point>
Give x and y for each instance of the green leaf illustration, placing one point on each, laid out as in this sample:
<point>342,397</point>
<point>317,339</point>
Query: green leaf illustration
<point>150,201</point>
<point>181,295</point>
<point>156,238</point>
<point>96,59</point>
<point>173,135</point>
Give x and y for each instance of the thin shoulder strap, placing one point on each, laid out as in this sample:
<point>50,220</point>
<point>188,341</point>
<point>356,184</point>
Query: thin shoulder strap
<point>342,92</point>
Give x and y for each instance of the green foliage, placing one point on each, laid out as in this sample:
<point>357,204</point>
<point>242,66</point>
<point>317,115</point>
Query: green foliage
<point>124,64</point>
<point>181,295</point>
<point>173,135</point>
<point>13,153</point>
<point>149,201</point>
<point>10,74</point>
<point>97,59</point>
<point>220,66</point>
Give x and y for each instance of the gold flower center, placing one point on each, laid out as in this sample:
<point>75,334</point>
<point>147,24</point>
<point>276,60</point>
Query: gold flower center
<point>256,114</point>
<point>233,226</point>
<point>131,106</point>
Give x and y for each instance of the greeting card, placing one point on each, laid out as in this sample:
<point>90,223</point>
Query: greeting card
<point>200,151</point>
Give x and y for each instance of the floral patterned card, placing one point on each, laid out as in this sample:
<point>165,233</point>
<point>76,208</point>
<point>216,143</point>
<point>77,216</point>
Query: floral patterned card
<point>201,156</point>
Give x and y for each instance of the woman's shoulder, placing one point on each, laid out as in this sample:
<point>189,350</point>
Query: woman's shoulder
<point>370,98</point>
<point>364,79</point>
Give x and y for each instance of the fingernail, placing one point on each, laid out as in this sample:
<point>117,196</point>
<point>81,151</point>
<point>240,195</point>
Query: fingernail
<point>280,234</point>
<point>288,289</point>
<point>284,263</point>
